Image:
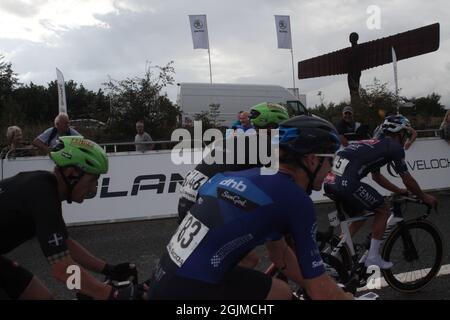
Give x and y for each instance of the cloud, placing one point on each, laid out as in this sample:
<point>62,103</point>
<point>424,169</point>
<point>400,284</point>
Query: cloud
<point>89,39</point>
<point>21,8</point>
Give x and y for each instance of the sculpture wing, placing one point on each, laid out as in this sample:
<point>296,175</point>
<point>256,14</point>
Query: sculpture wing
<point>373,53</point>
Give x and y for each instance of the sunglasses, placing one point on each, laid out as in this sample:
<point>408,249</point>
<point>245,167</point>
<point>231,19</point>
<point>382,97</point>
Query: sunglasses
<point>329,156</point>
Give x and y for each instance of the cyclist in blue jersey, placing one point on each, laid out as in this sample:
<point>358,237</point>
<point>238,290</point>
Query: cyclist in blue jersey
<point>263,116</point>
<point>367,156</point>
<point>237,211</point>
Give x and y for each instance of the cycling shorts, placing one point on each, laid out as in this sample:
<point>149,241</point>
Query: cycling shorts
<point>13,279</point>
<point>239,284</point>
<point>354,195</point>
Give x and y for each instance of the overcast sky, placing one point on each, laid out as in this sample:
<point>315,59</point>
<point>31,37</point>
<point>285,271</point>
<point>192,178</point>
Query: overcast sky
<point>90,39</point>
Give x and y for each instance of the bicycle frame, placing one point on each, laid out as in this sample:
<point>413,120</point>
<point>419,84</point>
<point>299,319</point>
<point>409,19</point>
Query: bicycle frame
<point>338,218</point>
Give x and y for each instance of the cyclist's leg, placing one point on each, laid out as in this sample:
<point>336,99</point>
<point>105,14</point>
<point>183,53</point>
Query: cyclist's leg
<point>249,284</point>
<point>279,290</point>
<point>341,188</point>
<point>19,283</point>
<point>379,222</point>
<point>36,290</point>
<point>369,199</point>
<point>250,260</point>
<point>355,226</point>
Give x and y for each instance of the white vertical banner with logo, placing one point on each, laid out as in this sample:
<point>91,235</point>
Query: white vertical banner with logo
<point>62,104</point>
<point>199,31</point>
<point>283,25</point>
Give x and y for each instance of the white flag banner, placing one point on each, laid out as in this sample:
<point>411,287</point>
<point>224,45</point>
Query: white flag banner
<point>199,31</point>
<point>283,25</point>
<point>394,62</point>
<point>61,91</point>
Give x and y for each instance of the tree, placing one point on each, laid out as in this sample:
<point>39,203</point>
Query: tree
<point>8,81</point>
<point>214,114</point>
<point>134,99</point>
<point>378,101</point>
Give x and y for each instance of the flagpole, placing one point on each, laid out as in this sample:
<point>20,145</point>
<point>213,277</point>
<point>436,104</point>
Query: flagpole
<point>293,70</point>
<point>210,72</point>
<point>209,53</point>
<point>394,63</point>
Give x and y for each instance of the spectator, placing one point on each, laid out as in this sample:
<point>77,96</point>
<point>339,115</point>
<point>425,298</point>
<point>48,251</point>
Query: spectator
<point>15,147</point>
<point>237,123</point>
<point>142,136</point>
<point>445,126</point>
<point>48,139</point>
<point>347,127</point>
<point>244,118</point>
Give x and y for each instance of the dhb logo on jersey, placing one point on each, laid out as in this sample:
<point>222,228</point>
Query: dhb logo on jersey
<point>233,184</point>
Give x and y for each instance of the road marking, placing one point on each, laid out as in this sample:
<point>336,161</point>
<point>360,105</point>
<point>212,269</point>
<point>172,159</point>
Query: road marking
<point>445,269</point>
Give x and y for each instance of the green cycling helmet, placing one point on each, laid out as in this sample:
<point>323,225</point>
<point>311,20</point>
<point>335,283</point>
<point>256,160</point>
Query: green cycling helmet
<point>268,115</point>
<point>82,153</point>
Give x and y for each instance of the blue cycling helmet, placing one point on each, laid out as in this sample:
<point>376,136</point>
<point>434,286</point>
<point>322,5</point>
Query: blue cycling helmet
<point>304,134</point>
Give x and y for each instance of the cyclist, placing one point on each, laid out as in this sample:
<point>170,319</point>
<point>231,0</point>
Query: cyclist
<point>30,205</point>
<point>263,116</point>
<point>378,133</point>
<point>367,156</point>
<point>237,211</point>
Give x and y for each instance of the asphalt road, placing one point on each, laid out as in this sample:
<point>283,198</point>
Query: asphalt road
<point>142,242</point>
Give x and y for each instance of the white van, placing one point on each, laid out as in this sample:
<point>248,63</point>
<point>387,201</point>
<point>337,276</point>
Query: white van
<point>193,98</point>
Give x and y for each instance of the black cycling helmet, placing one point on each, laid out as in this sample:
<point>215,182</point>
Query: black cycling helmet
<point>303,135</point>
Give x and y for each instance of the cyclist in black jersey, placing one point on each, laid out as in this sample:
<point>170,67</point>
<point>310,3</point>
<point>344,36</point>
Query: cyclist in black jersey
<point>30,206</point>
<point>359,159</point>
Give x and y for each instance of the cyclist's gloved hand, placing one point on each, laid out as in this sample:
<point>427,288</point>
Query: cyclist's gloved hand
<point>403,192</point>
<point>121,272</point>
<point>130,292</point>
<point>430,200</point>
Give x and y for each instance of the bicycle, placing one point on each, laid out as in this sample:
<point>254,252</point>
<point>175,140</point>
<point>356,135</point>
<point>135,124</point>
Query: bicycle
<point>400,245</point>
<point>333,267</point>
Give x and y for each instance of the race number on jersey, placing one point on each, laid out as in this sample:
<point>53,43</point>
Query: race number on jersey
<point>187,237</point>
<point>339,165</point>
<point>193,181</point>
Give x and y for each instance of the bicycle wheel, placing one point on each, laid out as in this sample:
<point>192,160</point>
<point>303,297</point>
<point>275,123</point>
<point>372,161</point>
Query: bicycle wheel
<point>415,248</point>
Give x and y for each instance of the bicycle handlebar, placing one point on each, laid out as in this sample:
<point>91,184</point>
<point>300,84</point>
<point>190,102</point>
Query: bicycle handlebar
<point>412,198</point>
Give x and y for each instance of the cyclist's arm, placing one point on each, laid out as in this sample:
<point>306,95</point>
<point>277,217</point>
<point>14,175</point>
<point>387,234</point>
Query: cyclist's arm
<point>411,139</point>
<point>285,260</point>
<point>84,257</point>
<point>385,183</point>
<point>344,140</point>
<point>412,185</point>
<point>317,283</point>
<point>88,284</point>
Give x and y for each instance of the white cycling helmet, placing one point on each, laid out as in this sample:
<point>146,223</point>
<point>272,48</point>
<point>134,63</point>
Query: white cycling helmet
<point>395,123</point>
